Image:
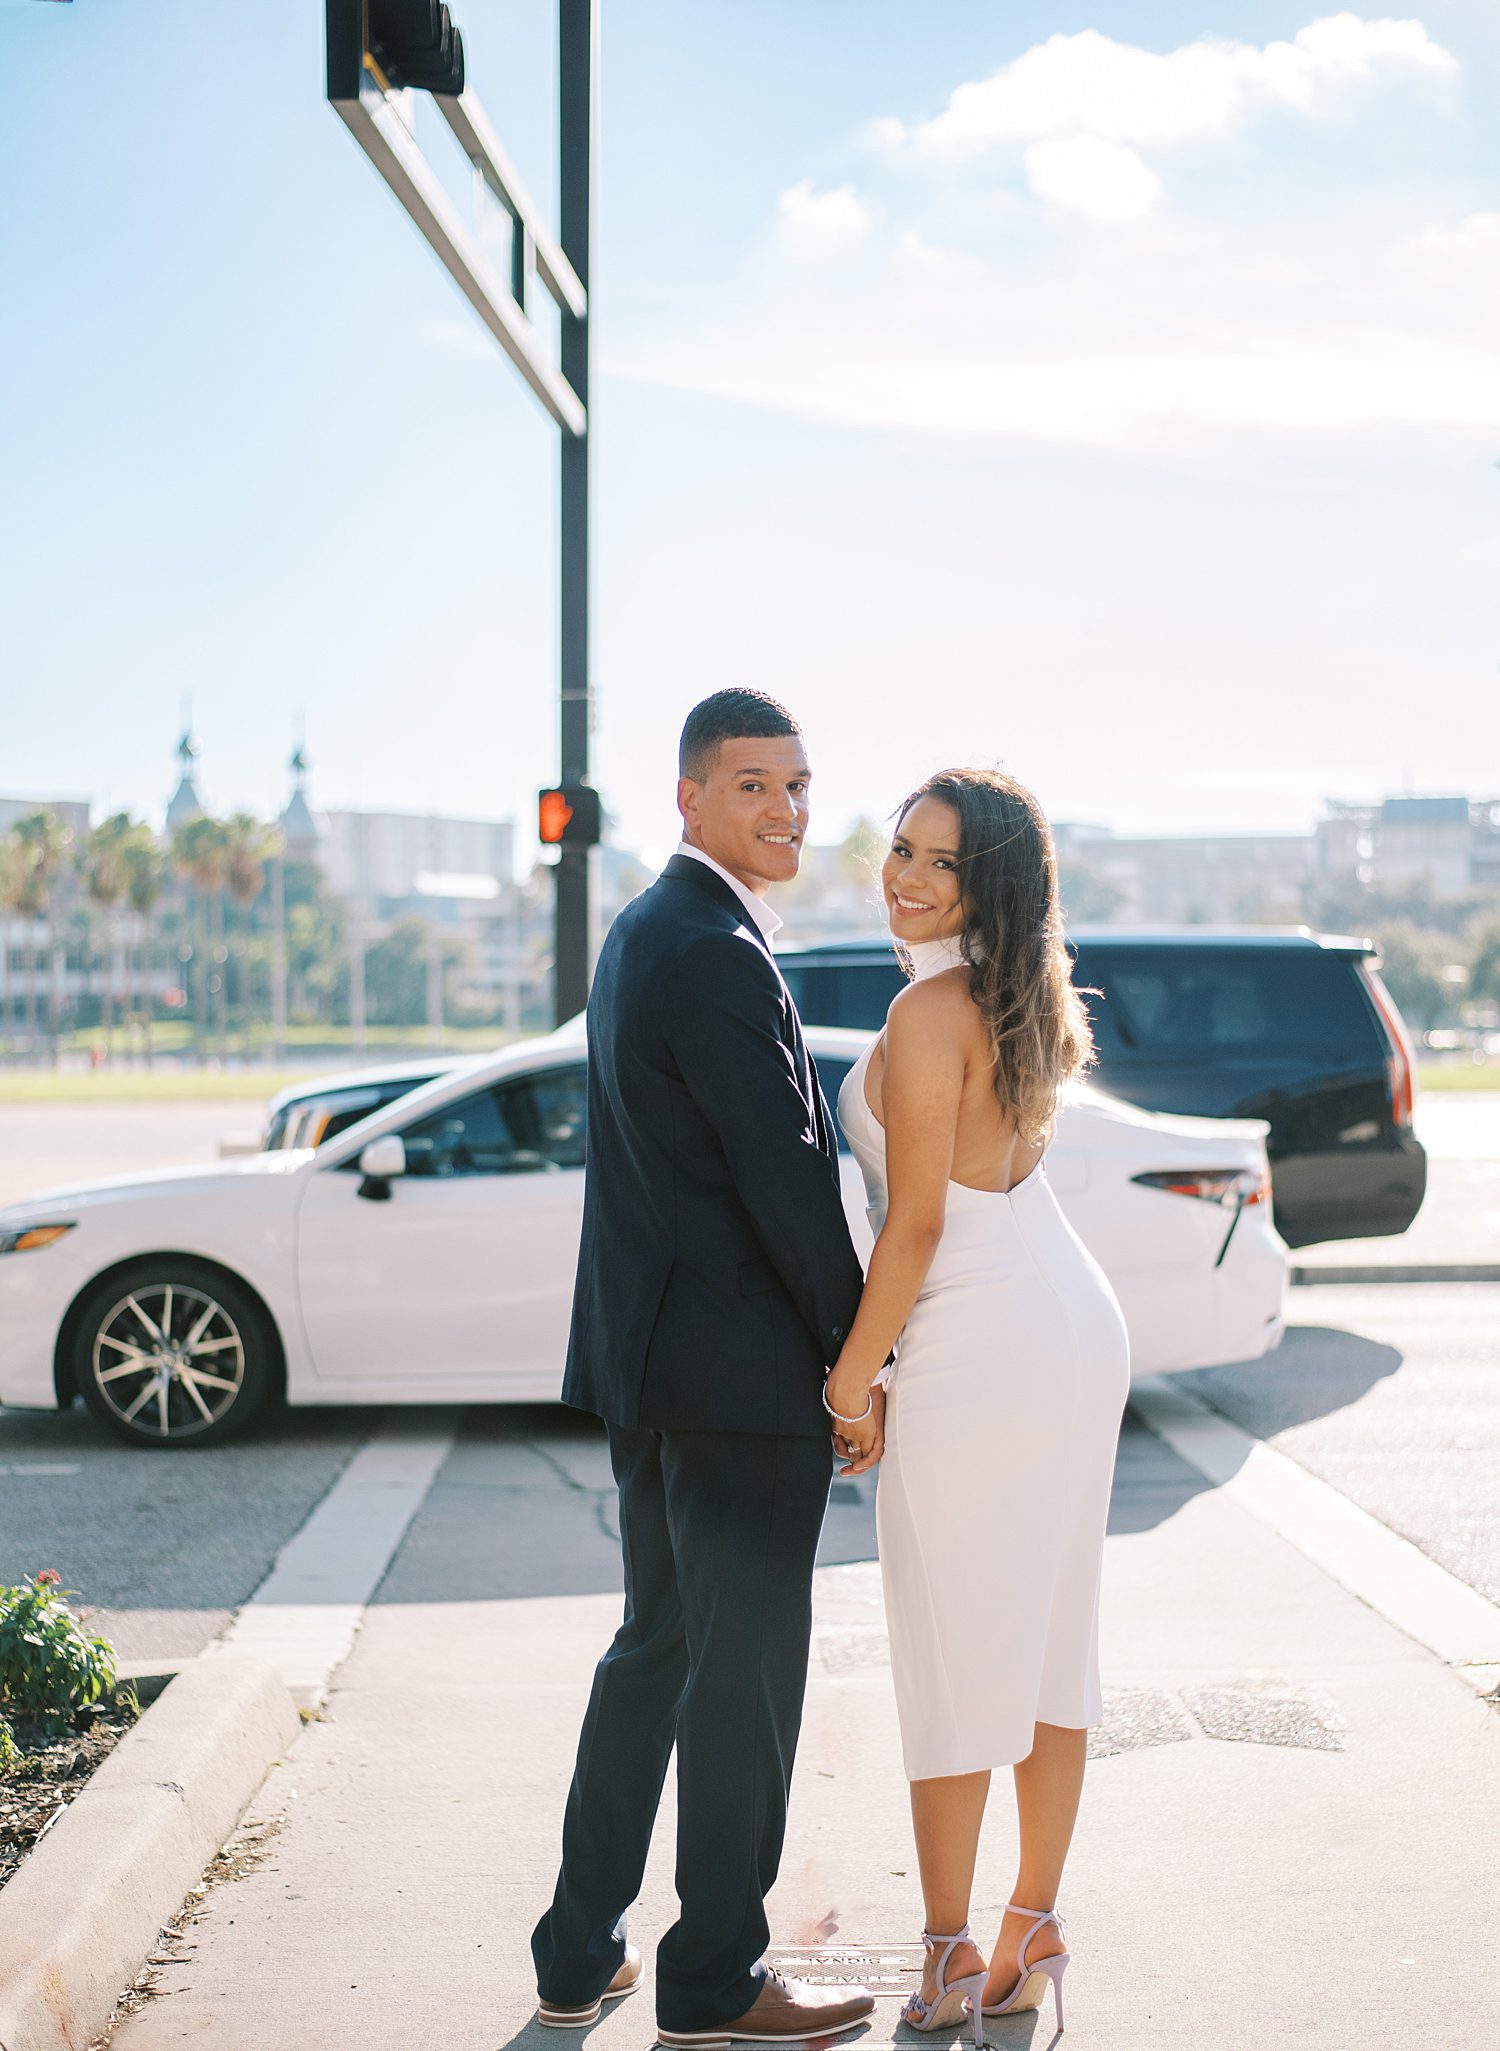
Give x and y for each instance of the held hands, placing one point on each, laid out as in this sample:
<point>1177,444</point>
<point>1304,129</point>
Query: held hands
<point>861,1443</point>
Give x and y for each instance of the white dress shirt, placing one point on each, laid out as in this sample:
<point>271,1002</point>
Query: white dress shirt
<point>768,922</point>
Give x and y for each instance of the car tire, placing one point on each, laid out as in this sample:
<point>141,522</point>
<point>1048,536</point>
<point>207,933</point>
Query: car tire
<point>172,1352</point>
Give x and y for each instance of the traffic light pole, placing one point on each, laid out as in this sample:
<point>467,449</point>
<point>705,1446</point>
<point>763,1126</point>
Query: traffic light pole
<point>577,47</point>
<point>380,53</point>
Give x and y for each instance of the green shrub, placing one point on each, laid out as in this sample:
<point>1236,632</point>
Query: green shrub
<point>10,1751</point>
<point>50,1667</point>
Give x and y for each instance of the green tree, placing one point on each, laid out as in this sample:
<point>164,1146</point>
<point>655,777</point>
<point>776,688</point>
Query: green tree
<point>1412,964</point>
<point>200,855</point>
<point>1088,899</point>
<point>396,974</point>
<point>1484,959</point>
<point>105,879</point>
<point>10,904</point>
<point>863,849</point>
<point>250,845</point>
<point>44,842</point>
<point>145,864</point>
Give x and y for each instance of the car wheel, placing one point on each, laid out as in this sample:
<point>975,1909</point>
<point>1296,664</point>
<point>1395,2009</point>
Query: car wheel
<point>173,1353</point>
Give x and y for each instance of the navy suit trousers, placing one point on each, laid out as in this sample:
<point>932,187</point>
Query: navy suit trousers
<point>719,1533</point>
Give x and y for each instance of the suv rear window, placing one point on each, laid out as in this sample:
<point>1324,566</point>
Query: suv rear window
<point>1271,1000</point>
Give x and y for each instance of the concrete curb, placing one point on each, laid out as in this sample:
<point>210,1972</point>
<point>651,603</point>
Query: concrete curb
<point>1421,1271</point>
<point>88,1901</point>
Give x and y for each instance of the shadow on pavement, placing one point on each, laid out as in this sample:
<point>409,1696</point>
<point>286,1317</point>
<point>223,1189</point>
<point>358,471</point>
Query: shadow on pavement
<point>1316,1370</point>
<point>525,1506</point>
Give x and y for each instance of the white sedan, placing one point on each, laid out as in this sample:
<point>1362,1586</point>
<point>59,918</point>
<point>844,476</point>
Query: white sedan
<point>425,1253</point>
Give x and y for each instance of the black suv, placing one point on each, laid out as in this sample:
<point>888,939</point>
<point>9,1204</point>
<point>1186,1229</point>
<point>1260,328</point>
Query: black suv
<point>1296,1028</point>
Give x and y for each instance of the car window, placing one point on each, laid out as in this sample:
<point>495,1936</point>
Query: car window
<point>276,1132</point>
<point>852,993</point>
<point>532,1125</point>
<point>342,1112</point>
<point>559,1113</point>
<point>472,1137</point>
<point>1161,1001</point>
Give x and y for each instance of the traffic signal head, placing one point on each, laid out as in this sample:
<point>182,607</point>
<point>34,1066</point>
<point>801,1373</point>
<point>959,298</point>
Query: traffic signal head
<point>569,817</point>
<point>415,43</point>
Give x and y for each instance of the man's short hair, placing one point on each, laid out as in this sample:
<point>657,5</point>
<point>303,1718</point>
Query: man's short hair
<point>729,716</point>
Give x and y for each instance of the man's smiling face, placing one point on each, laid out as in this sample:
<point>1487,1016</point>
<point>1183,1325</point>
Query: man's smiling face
<point>750,812</point>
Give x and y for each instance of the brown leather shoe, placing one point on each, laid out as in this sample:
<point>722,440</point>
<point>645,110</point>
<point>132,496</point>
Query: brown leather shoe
<point>785,2011</point>
<point>625,1981</point>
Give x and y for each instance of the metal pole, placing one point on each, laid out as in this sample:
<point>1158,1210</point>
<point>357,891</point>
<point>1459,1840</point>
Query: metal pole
<point>278,954</point>
<point>577,44</point>
<point>434,984</point>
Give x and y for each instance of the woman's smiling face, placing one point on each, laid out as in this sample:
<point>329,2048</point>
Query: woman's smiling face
<point>920,875</point>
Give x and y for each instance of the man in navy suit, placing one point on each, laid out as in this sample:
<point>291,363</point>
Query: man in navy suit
<point>716,1281</point>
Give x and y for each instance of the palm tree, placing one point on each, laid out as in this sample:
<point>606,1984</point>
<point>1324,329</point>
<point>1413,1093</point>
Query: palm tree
<point>44,843</point>
<point>106,880</point>
<point>145,866</point>
<point>10,898</point>
<point>200,853</point>
<point>251,844</point>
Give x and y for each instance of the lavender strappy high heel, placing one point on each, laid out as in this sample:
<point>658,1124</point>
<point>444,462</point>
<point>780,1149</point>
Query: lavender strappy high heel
<point>1032,1985</point>
<point>953,1997</point>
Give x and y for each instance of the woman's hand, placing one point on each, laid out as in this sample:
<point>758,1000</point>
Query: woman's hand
<point>862,1443</point>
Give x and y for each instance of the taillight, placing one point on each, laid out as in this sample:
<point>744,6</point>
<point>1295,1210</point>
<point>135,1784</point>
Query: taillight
<point>1401,1066</point>
<point>1236,1186</point>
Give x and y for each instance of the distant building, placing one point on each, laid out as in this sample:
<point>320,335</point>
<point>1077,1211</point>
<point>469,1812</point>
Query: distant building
<point>73,813</point>
<point>1399,842</point>
<point>300,834</point>
<point>185,803</point>
<point>1259,878</point>
<point>1195,879</point>
<point>386,859</point>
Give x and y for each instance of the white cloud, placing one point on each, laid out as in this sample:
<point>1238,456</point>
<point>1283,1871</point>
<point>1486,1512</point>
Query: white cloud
<point>810,217</point>
<point>1475,234</point>
<point>1106,345</point>
<point>1088,84</point>
<point>1298,311</point>
<point>1104,180</point>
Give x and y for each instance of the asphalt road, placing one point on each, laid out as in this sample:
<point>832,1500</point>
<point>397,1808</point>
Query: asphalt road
<point>1391,1393</point>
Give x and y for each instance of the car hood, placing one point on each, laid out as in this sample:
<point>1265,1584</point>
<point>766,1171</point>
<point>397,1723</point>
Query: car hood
<point>197,1178</point>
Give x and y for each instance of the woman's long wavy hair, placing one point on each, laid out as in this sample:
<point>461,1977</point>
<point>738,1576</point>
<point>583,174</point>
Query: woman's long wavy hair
<point>1020,970</point>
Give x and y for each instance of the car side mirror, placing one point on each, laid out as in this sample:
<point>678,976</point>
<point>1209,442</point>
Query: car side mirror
<point>379,1164</point>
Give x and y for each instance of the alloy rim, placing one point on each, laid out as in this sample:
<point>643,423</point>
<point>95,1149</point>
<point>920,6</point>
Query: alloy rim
<point>169,1360</point>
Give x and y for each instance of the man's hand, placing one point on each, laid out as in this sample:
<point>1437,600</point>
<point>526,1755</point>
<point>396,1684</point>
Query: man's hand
<point>860,1444</point>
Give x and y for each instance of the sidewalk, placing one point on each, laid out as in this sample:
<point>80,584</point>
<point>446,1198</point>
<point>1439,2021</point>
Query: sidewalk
<point>1288,1881</point>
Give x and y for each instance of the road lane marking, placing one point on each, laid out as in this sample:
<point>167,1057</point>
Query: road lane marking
<point>306,1614</point>
<point>42,1467</point>
<point>1394,1577</point>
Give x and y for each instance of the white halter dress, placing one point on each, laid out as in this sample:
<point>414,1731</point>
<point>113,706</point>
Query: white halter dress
<point>1003,1416</point>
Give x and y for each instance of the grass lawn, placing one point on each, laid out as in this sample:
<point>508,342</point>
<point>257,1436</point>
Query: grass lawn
<point>1458,1075</point>
<point>150,1085</point>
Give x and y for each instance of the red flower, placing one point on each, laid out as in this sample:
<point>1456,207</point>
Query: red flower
<point>48,1578</point>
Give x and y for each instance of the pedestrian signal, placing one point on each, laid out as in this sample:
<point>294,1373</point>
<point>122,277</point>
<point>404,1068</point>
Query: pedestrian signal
<point>568,817</point>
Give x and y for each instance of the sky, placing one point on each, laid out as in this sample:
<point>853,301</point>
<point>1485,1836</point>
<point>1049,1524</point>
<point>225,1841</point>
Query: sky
<point>1107,393</point>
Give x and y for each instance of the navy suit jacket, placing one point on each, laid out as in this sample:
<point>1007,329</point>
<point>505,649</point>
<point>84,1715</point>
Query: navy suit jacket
<point>716,1275</point>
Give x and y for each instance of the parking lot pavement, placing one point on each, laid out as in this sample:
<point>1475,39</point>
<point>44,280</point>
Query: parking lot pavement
<point>163,1544</point>
<point>46,1146</point>
<point>1282,1776</point>
<point>1391,1394</point>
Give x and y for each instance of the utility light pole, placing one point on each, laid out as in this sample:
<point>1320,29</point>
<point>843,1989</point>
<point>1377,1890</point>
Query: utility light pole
<point>380,52</point>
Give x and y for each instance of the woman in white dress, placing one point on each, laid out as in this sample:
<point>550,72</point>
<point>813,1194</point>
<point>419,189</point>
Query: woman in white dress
<point>1002,1413</point>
